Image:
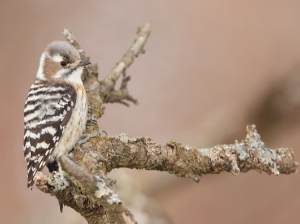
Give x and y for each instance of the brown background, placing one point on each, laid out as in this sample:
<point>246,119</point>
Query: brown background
<point>207,64</point>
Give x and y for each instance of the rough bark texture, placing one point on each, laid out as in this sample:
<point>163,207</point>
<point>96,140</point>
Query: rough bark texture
<point>183,160</point>
<point>83,184</point>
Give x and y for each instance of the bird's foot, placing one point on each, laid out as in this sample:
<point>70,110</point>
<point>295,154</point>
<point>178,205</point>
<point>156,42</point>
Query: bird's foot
<point>85,137</point>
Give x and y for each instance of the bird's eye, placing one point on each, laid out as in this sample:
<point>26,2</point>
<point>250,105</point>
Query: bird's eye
<point>63,63</point>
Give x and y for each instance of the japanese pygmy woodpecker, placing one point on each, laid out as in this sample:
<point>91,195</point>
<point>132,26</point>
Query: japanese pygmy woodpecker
<point>55,111</point>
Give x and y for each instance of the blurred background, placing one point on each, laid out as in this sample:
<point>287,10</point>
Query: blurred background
<point>211,68</point>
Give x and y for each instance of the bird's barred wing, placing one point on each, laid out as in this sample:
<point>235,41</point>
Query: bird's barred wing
<point>47,111</point>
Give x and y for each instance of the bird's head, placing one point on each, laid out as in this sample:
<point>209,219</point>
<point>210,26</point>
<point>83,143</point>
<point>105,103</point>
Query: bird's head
<point>61,62</point>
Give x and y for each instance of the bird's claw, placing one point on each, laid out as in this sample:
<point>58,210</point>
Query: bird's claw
<point>86,137</point>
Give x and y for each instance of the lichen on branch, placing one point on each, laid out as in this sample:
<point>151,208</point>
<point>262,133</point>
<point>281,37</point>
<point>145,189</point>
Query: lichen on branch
<point>184,160</point>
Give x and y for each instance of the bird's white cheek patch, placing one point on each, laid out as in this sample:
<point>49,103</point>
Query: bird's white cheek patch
<point>75,77</point>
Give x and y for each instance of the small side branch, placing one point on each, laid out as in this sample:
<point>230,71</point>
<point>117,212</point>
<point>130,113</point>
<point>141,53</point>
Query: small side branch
<point>72,40</point>
<point>119,96</point>
<point>187,161</point>
<point>109,82</point>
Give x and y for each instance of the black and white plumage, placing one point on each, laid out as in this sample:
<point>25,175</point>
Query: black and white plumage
<point>48,109</point>
<point>55,110</point>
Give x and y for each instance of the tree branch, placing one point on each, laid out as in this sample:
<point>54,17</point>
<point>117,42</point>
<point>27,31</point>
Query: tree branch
<point>84,186</point>
<point>118,96</point>
<point>102,154</point>
<point>187,161</point>
<point>95,186</point>
<point>138,47</point>
<point>72,40</point>
<point>98,189</point>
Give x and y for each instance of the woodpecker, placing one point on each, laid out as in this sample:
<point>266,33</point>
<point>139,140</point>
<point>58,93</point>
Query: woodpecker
<point>55,111</point>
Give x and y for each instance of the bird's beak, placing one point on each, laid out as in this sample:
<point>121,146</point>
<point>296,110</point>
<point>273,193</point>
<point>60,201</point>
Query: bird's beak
<point>84,63</point>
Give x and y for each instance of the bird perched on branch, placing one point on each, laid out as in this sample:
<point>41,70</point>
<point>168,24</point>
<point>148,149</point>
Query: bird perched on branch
<point>55,110</point>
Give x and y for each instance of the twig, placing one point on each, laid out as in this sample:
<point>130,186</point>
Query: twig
<point>109,82</point>
<point>119,96</point>
<point>72,40</point>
